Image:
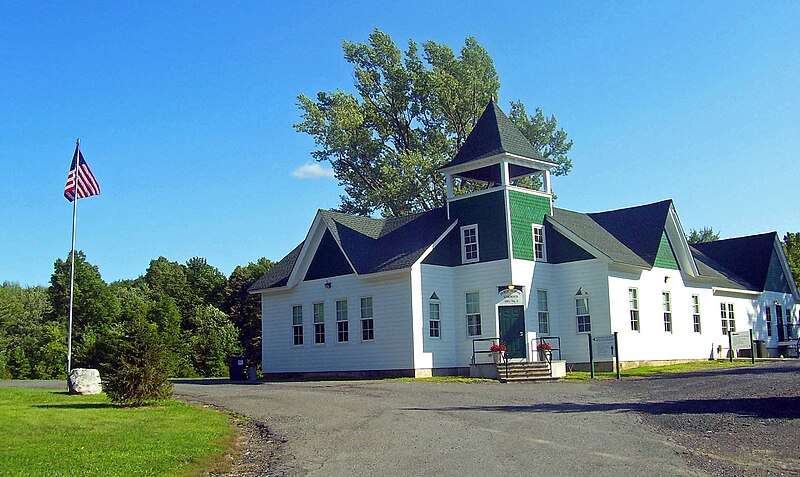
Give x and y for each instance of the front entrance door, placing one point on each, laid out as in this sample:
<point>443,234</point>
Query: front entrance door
<point>512,329</point>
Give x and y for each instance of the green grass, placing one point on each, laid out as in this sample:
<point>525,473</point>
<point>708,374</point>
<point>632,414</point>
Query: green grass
<point>50,433</point>
<point>651,370</point>
<point>444,379</point>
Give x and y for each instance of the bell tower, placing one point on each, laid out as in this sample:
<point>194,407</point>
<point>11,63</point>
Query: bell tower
<point>495,154</point>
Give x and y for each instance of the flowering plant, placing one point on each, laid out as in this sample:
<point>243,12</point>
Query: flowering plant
<point>497,347</point>
<point>544,346</point>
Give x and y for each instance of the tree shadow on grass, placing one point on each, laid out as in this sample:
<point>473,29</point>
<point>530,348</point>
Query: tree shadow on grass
<point>762,408</point>
<point>78,405</point>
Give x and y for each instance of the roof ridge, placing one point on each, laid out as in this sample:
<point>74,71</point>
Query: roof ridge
<point>774,232</point>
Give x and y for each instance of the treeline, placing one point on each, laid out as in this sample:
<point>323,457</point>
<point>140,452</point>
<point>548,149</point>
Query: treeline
<point>199,315</point>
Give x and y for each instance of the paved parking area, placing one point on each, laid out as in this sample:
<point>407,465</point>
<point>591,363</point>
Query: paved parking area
<point>732,421</point>
<point>421,428</point>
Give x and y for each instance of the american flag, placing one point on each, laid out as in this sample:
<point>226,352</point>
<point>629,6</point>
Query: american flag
<point>87,184</point>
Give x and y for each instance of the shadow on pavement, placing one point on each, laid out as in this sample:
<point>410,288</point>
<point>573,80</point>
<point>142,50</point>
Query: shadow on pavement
<point>213,381</point>
<point>764,407</point>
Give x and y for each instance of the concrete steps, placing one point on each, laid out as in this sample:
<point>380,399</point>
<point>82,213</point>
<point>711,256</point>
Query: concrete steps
<point>536,371</point>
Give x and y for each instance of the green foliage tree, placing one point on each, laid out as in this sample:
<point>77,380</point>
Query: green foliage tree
<point>166,278</point>
<point>791,245</point>
<point>165,315</point>
<point>205,282</point>
<point>244,309</point>
<point>214,339</point>
<point>95,306</point>
<point>414,114</point>
<point>22,330</point>
<point>706,234</point>
<point>137,369</point>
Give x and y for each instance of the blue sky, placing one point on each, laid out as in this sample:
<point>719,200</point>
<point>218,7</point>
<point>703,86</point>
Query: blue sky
<point>185,114</point>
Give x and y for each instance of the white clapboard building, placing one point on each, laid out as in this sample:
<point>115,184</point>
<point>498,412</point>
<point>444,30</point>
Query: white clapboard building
<point>416,295</point>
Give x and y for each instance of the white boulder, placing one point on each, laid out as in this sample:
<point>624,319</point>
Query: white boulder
<point>84,381</point>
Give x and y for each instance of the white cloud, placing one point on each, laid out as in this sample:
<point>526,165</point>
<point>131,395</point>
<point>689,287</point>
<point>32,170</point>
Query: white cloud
<point>312,171</point>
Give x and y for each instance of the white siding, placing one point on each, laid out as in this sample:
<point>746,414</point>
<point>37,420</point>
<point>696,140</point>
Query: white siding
<point>562,281</point>
<point>392,347</point>
<point>651,342</point>
<point>451,285</point>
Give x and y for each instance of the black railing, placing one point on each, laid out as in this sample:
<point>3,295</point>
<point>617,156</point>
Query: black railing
<point>788,332</point>
<point>553,341</point>
<point>475,351</point>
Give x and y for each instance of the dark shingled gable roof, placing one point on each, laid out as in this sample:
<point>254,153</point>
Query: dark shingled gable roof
<point>371,245</point>
<point>639,228</point>
<point>279,274</point>
<point>630,236</point>
<point>747,257</point>
<point>493,134</point>
<point>723,277</point>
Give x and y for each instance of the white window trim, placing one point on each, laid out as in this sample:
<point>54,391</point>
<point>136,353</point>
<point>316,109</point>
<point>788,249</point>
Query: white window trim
<point>534,228</point>
<point>668,295</point>
<point>438,319</point>
<point>696,313</point>
<point>345,320</point>
<point>634,309</point>
<point>362,319</point>
<point>464,248</point>
<point>588,310</point>
<point>727,311</point>
<point>467,315</point>
<point>540,311</point>
<point>295,326</point>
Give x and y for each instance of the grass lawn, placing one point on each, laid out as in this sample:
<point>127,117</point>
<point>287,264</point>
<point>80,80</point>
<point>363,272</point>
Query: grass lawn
<point>650,370</point>
<point>445,379</point>
<point>51,433</point>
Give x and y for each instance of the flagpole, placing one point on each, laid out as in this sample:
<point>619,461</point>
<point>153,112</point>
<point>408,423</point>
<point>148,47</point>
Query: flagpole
<point>72,254</point>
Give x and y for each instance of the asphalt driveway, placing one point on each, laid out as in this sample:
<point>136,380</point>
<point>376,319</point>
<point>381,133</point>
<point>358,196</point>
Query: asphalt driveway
<point>422,428</point>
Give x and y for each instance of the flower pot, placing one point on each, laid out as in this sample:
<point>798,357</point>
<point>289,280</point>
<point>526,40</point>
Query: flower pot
<point>497,356</point>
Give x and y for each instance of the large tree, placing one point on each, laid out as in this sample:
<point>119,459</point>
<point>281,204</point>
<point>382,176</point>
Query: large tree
<point>791,245</point>
<point>95,307</point>
<point>413,115</point>
<point>706,234</point>
<point>244,309</point>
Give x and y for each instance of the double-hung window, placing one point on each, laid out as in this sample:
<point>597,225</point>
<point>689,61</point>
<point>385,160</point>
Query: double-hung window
<point>319,323</point>
<point>297,324</point>
<point>728,320</point>
<point>769,320</point>
<point>469,243</point>
<point>434,321</point>
<point>473,314</point>
<point>539,250</point>
<point>342,325</point>
<point>582,315</point>
<point>667,305</point>
<point>696,313</point>
<point>633,300</point>
<point>367,320</point>
<point>789,325</point>
<point>544,312</point>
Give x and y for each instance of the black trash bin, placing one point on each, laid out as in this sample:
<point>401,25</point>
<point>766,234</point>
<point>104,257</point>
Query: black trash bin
<point>236,368</point>
<point>761,348</point>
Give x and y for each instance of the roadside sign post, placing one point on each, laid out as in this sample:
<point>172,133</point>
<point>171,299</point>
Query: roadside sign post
<point>604,346</point>
<point>616,353</point>
<point>741,340</point>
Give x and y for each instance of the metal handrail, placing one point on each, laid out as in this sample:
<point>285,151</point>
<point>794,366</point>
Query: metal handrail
<point>488,351</point>
<point>544,339</point>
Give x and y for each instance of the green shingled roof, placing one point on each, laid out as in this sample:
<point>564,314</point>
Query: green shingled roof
<point>493,134</point>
